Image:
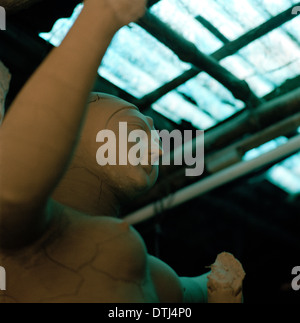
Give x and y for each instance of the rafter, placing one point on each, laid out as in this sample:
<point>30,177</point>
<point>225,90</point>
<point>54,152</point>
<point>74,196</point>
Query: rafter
<point>188,52</point>
<point>229,49</point>
<point>173,177</point>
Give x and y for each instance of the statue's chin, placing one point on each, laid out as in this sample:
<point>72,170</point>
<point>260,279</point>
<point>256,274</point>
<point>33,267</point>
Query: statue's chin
<point>12,6</point>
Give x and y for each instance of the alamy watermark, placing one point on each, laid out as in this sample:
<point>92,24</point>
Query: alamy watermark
<point>296,10</point>
<point>296,280</point>
<point>136,148</point>
<point>2,279</point>
<point>2,19</point>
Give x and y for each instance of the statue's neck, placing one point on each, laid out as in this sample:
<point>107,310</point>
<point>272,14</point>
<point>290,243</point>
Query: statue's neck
<point>87,193</point>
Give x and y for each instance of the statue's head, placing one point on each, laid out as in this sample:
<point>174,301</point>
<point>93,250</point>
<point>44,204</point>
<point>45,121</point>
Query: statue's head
<point>119,145</point>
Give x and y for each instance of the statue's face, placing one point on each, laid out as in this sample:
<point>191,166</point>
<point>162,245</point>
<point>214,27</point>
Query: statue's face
<point>107,136</point>
<point>143,147</point>
<point>16,5</point>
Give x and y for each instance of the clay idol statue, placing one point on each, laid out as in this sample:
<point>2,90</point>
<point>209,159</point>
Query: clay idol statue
<point>60,239</point>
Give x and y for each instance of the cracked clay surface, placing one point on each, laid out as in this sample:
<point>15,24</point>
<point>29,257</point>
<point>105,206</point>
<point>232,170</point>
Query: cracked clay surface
<point>80,259</point>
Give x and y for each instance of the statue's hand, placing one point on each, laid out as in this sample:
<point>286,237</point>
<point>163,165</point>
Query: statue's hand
<point>126,11</point>
<point>225,282</point>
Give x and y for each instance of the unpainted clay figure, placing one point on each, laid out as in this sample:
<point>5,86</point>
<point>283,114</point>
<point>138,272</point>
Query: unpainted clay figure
<point>60,240</point>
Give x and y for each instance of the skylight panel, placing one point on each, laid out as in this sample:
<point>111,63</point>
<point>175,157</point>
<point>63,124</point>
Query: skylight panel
<point>267,147</point>
<point>211,96</point>
<point>175,107</point>
<point>126,75</point>
<point>208,9</point>
<point>178,16</point>
<point>135,61</point>
<point>232,18</point>
<point>293,28</point>
<point>243,13</point>
<point>61,28</point>
<point>260,84</point>
<point>139,64</point>
<point>275,56</point>
<point>286,174</point>
<point>153,64</point>
<point>274,7</point>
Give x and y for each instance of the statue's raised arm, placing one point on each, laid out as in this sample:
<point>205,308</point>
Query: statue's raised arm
<point>41,129</point>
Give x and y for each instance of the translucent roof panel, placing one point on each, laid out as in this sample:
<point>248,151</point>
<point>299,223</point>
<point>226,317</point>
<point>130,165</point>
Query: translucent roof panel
<point>264,64</point>
<point>61,28</point>
<point>274,59</point>
<point>260,84</point>
<point>177,14</point>
<point>211,97</point>
<point>232,18</point>
<point>175,107</point>
<point>269,146</point>
<point>135,61</point>
<point>286,174</point>
<point>225,15</point>
<point>139,63</point>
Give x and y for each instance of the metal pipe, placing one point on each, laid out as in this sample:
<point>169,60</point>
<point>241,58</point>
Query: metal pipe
<point>234,153</point>
<point>208,184</point>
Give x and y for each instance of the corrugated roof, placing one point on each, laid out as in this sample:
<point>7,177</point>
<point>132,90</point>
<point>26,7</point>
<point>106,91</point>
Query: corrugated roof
<point>139,64</point>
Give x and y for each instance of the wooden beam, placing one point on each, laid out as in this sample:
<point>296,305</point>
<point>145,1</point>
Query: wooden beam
<point>288,86</point>
<point>173,177</point>
<point>188,52</point>
<point>215,31</point>
<point>209,26</point>
<point>267,114</point>
<point>229,49</point>
<point>235,152</point>
<point>152,3</point>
